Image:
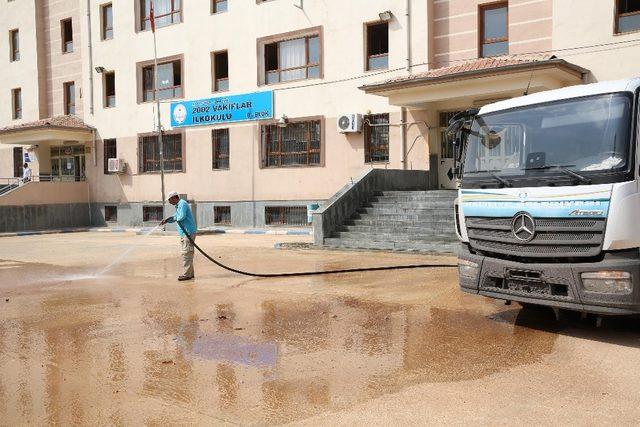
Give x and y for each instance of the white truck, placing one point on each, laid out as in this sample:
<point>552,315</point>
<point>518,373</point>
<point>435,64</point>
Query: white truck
<point>548,210</point>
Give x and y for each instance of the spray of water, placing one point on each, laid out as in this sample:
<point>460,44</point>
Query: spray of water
<point>124,254</point>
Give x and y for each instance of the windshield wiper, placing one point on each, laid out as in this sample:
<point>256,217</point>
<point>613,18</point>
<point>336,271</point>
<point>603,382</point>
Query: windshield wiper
<point>563,168</point>
<point>501,180</point>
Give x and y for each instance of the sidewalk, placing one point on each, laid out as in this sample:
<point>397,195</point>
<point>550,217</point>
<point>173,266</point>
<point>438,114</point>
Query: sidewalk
<point>143,230</point>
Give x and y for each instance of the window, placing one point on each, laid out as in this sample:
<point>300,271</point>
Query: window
<point>166,12</point>
<point>14,45</point>
<point>18,162</point>
<point>107,22</point>
<point>628,16</point>
<point>297,144</point>
<point>69,98</point>
<point>494,33</point>
<point>152,214</point>
<point>285,215</point>
<point>16,96</point>
<point>109,89</point>
<point>220,138</point>
<point>376,138</point>
<point>169,81</point>
<point>67,35</point>
<point>111,214</point>
<point>296,59</point>
<point>222,215</point>
<point>218,6</point>
<point>446,143</point>
<point>220,71</point>
<point>378,46</point>
<point>110,152</point>
<point>149,152</point>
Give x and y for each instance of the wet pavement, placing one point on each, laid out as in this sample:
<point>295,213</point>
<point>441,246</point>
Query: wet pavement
<point>133,346</point>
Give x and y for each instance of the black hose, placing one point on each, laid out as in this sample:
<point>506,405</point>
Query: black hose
<point>311,273</point>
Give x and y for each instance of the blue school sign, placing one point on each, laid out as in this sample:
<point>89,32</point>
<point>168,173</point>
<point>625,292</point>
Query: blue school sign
<point>222,109</point>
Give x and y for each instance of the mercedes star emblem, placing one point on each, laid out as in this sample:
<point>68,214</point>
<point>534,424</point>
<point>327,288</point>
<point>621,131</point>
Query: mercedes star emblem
<point>523,227</point>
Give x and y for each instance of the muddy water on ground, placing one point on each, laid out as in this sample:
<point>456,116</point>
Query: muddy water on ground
<point>136,347</point>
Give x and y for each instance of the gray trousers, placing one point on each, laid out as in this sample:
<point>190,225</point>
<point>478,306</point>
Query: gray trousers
<point>187,255</point>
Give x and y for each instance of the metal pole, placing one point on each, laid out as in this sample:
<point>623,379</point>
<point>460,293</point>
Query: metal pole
<point>155,66</point>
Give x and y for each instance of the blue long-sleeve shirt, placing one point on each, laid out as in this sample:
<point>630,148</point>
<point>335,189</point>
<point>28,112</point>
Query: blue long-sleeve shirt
<point>184,216</point>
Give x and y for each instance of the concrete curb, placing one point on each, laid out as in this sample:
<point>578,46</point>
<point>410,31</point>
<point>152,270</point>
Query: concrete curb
<point>204,231</point>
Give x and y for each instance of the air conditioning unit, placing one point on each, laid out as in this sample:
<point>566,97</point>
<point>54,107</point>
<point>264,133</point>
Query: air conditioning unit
<point>348,123</point>
<point>116,165</point>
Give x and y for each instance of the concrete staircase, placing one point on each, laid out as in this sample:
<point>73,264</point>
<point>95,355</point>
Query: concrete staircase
<point>401,220</point>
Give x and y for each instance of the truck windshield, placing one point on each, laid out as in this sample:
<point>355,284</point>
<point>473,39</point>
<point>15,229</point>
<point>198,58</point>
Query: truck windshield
<point>583,136</point>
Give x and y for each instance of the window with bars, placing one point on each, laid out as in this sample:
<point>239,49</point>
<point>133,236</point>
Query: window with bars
<point>14,45</point>
<point>286,215</point>
<point>166,12</point>
<point>18,162</point>
<point>297,144</point>
<point>222,215</point>
<point>627,16</point>
<point>169,81</point>
<point>494,31</point>
<point>67,35</point>
<point>378,46</point>
<point>149,153</point>
<point>446,143</point>
<point>111,213</point>
<point>218,6</point>
<point>16,98</point>
<point>110,152</point>
<point>107,21</point>
<point>110,89</point>
<point>152,213</point>
<point>220,71</point>
<point>289,60</point>
<point>376,138</point>
<point>220,148</point>
<point>69,89</point>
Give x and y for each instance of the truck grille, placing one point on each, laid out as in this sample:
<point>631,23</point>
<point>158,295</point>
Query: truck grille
<point>565,237</point>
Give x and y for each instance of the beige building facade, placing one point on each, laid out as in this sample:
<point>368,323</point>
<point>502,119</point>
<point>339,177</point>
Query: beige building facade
<point>84,85</point>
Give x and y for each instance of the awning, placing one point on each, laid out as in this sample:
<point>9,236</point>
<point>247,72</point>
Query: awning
<point>484,78</point>
<point>59,128</point>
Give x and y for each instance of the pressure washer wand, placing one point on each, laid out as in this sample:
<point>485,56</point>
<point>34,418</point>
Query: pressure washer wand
<point>310,273</point>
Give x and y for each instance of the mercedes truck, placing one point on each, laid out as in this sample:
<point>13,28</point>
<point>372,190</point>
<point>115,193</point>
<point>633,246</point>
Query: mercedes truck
<point>548,209</point>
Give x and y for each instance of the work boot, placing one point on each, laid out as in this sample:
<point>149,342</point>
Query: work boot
<point>183,278</point>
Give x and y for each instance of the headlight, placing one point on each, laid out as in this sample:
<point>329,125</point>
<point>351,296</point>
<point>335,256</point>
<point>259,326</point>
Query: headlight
<point>607,282</point>
<point>467,269</point>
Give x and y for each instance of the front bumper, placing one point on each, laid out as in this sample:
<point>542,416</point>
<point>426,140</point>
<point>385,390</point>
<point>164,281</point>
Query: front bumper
<point>553,284</point>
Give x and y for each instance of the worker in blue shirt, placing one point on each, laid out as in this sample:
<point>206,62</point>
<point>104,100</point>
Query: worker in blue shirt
<point>183,216</point>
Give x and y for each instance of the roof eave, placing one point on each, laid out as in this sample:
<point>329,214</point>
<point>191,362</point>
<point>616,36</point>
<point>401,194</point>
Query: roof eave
<point>47,127</point>
<point>422,81</point>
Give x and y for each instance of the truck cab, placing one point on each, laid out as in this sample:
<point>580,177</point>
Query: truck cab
<point>548,209</point>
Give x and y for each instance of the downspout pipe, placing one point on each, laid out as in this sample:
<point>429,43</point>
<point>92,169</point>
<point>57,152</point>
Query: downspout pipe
<point>403,136</point>
<point>90,46</point>
<point>408,19</point>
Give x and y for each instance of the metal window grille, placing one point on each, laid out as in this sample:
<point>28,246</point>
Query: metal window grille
<point>446,143</point>
<point>166,12</point>
<point>110,152</point>
<point>286,215</point>
<point>18,162</point>
<point>376,138</point>
<point>152,213</point>
<point>220,138</point>
<point>222,215</point>
<point>111,213</point>
<point>297,144</point>
<point>149,152</point>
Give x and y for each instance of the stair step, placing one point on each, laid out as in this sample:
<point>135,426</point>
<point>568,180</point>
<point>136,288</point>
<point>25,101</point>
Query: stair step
<point>405,217</point>
<point>432,246</point>
<point>446,229</point>
<point>395,237</point>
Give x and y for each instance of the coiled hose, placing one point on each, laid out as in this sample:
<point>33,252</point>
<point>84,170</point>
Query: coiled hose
<point>311,273</point>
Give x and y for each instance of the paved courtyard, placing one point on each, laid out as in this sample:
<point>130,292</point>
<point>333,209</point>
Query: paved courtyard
<point>134,346</point>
